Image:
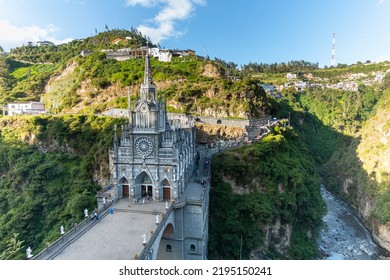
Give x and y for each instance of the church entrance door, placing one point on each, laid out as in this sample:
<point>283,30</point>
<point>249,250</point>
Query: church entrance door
<point>167,193</point>
<point>146,191</point>
<point>166,190</point>
<point>125,187</point>
<point>146,186</point>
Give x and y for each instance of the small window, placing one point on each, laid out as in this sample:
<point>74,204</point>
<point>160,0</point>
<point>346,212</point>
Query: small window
<point>168,248</point>
<point>192,248</point>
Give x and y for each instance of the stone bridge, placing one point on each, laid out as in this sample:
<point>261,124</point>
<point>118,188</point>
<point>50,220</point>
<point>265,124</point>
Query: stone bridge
<point>143,230</point>
<point>128,229</point>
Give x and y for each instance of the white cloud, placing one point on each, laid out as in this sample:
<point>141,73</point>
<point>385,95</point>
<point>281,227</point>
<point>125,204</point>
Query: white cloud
<point>380,2</point>
<point>169,13</point>
<point>145,3</point>
<point>381,58</point>
<point>13,36</point>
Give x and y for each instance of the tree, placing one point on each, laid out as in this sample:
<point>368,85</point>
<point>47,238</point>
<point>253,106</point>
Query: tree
<point>13,247</point>
<point>386,81</point>
<point>1,50</point>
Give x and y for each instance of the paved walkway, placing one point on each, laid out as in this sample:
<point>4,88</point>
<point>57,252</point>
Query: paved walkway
<point>117,236</point>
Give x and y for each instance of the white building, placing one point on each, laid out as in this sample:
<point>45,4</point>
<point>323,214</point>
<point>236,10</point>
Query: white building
<point>25,108</point>
<point>300,85</point>
<point>162,55</point>
<point>44,43</point>
<point>291,76</point>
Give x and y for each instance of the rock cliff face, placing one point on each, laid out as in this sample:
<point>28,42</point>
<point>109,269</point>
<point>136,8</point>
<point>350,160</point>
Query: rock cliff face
<point>207,133</point>
<point>362,173</point>
<point>278,236</point>
<point>374,154</point>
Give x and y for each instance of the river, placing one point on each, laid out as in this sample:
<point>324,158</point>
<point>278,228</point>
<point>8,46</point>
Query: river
<point>343,236</point>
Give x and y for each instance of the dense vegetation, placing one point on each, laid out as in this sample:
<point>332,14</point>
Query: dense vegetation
<point>274,180</point>
<point>342,132</point>
<point>47,176</point>
<point>50,164</point>
<point>25,72</point>
<point>347,133</point>
<point>63,53</point>
<point>360,170</point>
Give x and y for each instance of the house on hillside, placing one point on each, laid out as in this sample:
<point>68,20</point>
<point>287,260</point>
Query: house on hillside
<point>118,55</point>
<point>379,78</point>
<point>183,53</point>
<point>301,85</point>
<point>268,88</point>
<point>85,53</point>
<point>44,43</point>
<point>139,52</point>
<point>161,54</point>
<point>26,108</point>
<point>271,90</point>
<point>291,76</point>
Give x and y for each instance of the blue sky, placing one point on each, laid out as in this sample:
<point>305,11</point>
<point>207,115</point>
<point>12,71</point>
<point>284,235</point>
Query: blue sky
<point>240,31</point>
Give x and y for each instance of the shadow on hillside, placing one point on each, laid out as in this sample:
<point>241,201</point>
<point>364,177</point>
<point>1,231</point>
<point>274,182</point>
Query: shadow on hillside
<point>341,169</point>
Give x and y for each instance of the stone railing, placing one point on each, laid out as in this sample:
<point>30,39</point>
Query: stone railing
<point>54,249</point>
<point>148,246</point>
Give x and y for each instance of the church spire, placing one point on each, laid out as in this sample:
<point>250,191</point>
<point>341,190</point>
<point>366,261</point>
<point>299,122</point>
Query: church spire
<point>148,89</point>
<point>115,144</point>
<point>147,72</point>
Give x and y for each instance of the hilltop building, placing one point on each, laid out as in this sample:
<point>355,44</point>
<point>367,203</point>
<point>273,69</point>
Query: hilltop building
<point>25,108</point>
<point>44,43</point>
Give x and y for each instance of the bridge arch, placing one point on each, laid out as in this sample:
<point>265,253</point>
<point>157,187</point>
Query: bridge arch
<point>168,248</point>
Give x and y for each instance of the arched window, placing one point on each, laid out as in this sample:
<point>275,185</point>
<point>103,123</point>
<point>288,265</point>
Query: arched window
<point>146,179</point>
<point>144,120</point>
<point>192,248</point>
<point>168,248</point>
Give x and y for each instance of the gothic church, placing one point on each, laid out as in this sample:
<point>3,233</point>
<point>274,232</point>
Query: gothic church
<point>154,157</point>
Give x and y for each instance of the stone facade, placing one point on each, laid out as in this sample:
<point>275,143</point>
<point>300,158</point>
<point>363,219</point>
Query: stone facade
<point>152,159</point>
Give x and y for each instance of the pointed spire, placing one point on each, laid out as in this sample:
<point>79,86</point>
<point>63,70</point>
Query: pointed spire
<point>115,145</point>
<point>129,100</point>
<point>148,71</point>
<point>148,89</point>
<point>115,137</point>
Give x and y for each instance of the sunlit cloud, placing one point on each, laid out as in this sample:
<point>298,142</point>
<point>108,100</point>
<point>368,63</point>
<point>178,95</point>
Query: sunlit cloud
<point>11,36</point>
<point>380,2</point>
<point>162,26</point>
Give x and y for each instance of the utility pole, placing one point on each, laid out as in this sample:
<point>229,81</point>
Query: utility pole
<point>333,62</point>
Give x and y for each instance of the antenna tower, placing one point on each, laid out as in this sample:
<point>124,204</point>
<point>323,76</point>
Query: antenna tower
<point>333,62</point>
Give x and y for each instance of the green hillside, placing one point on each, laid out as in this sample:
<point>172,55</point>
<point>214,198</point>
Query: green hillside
<point>53,165</point>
